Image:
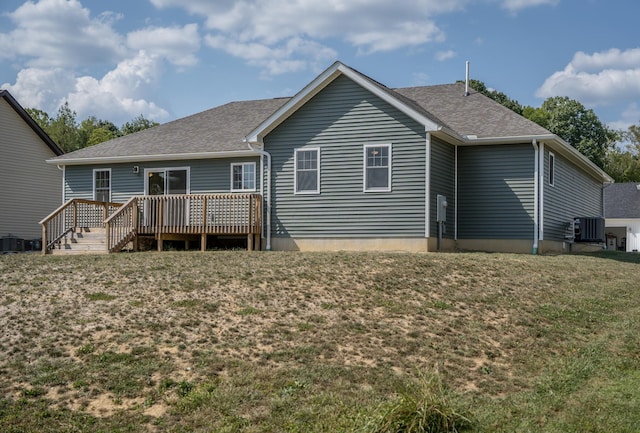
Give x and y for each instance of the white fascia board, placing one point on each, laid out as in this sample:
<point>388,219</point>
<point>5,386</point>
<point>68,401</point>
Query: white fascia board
<point>319,83</point>
<point>149,158</point>
<point>293,104</point>
<point>429,124</point>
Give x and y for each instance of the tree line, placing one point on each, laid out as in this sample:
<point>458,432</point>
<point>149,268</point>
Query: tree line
<point>616,152</point>
<point>70,134</point>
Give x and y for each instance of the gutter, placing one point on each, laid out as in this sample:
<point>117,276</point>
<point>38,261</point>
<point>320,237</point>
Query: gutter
<point>151,158</point>
<point>264,154</point>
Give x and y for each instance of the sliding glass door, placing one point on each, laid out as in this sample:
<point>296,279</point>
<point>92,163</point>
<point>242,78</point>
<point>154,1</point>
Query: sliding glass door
<point>165,182</point>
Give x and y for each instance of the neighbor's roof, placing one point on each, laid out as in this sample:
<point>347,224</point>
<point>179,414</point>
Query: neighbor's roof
<point>4,94</point>
<point>622,200</point>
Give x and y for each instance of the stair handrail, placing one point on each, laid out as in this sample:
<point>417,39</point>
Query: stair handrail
<point>122,225</point>
<point>59,223</point>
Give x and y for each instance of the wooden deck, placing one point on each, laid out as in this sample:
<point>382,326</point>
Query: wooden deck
<point>166,217</point>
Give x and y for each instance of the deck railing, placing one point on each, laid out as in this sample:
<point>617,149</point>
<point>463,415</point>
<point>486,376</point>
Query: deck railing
<point>121,226</point>
<point>185,214</point>
<point>75,213</point>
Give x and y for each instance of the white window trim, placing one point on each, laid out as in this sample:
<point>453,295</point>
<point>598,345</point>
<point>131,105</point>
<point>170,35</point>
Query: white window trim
<point>295,171</point>
<point>364,167</point>
<point>552,169</point>
<point>95,170</point>
<point>255,174</point>
<point>146,176</point>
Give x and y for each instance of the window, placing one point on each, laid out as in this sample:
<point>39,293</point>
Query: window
<point>377,167</point>
<point>243,176</point>
<point>552,168</point>
<point>102,185</point>
<point>307,171</point>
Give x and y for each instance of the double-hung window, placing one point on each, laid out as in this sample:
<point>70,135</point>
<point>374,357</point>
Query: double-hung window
<point>102,185</point>
<point>243,176</point>
<point>307,171</point>
<point>377,167</point>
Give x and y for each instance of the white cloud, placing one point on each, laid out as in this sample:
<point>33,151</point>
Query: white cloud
<point>57,33</point>
<point>630,116</point>
<point>42,88</point>
<point>597,79</point>
<point>441,56</point>
<point>517,5</point>
<point>294,55</point>
<point>63,53</point>
<point>368,25</point>
<point>119,96</point>
<point>122,92</point>
<point>177,44</point>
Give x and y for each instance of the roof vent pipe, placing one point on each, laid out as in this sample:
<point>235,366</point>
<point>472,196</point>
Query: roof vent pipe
<point>466,81</point>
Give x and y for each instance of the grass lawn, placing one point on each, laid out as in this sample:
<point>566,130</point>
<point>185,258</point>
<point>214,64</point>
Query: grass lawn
<point>315,342</point>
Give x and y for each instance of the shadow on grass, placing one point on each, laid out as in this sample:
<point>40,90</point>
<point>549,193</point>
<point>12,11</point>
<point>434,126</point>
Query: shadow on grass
<point>615,255</point>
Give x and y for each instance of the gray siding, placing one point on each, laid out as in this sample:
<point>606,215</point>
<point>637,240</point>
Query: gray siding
<point>442,182</point>
<point>340,120</point>
<point>573,194</point>
<point>496,192</point>
<point>206,176</point>
<point>30,188</point>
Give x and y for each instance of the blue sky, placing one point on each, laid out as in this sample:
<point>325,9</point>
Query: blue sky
<point>167,59</point>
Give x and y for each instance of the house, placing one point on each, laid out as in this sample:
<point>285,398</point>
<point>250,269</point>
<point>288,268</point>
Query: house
<point>346,163</point>
<point>30,186</point>
<point>622,216</point>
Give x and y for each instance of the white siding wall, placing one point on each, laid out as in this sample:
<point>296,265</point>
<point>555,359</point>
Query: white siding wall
<point>30,188</point>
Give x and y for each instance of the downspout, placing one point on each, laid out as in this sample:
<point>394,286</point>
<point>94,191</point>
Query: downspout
<point>266,193</point>
<point>427,186</point>
<point>541,188</point>
<point>536,186</point>
<point>455,194</point>
<point>64,179</point>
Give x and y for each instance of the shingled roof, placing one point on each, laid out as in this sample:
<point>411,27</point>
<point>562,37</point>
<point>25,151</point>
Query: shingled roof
<point>219,129</point>
<point>622,200</point>
<point>222,129</point>
<point>474,114</point>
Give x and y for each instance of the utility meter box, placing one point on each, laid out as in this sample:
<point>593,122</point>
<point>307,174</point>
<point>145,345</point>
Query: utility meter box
<point>441,208</point>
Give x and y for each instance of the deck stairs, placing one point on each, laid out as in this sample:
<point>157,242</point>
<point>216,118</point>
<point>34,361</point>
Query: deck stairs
<point>83,240</point>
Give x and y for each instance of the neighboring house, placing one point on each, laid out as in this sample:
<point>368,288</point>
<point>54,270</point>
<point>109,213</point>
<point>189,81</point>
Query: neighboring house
<point>30,188</point>
<point>348,163</point>
<point>622,216</point>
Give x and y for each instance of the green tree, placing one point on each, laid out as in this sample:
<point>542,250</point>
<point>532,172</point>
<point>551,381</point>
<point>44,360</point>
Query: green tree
<point>41,117</point>
<point>63,129</point>
<point>93,131</point>
<point>137,124</point>
<point>623,164</point>
<point>578,126</point>
<point>99,135</point>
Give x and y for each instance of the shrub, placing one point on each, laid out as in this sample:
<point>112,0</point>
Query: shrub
<point>424,407</point>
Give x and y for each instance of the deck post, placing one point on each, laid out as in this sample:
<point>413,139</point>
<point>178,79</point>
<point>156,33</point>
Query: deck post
<point>107,235</point>
<point>105,211</point>
<point>135,225</point>
<point>44,239</point>
<point>203,242</point>
<point>159,238</point>
<point>249,242</point>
